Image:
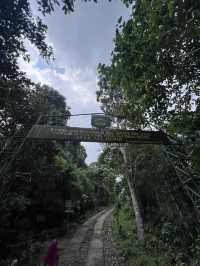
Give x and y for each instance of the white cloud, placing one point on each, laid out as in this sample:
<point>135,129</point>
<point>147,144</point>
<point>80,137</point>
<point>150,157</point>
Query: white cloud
<point>77,85</point>
<point>81,40</point>
<point>85,37</point>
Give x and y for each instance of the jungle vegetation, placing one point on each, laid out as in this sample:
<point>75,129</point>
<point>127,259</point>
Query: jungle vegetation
<point>152,82</point>
<point>37,178</point>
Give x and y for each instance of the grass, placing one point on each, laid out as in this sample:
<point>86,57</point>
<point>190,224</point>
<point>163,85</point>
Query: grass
<point>134,252</point>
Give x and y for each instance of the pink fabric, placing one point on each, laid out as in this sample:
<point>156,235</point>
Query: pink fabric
<point>51,258</point>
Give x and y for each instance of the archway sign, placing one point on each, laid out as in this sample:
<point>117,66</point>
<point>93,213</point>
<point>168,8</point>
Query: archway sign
<point>102,133</point>
<point>98,135</point>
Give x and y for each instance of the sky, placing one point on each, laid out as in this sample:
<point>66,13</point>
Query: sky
<point>81,40</point>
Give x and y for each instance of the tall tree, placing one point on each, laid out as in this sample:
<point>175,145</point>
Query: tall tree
<point>153,80</point>
<point>17,24</point>
<point>130,177</point>
<point>155,63</point>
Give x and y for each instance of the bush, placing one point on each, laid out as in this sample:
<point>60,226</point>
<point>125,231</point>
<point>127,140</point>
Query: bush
<point>135,253</point>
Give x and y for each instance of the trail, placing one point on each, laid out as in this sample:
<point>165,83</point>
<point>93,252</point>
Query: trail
<point>87,246</point>
<point>95,254</point>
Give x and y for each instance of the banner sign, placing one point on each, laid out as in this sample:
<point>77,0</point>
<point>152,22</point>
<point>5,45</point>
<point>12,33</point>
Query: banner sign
<point>97,135</point>
<point>100,121</point>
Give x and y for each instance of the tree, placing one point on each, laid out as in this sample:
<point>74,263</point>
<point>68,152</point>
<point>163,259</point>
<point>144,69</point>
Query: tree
<point>130,177</point>
<point>153,81</point>
<point>17,25</point>
<point>32,155</point>
<point>155,63</point>
<point>13,105</point>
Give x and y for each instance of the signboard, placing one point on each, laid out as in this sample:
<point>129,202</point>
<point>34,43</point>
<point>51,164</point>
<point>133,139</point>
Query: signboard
<point>68,206</point>
<point>100,121</point>
<point>97,135</point>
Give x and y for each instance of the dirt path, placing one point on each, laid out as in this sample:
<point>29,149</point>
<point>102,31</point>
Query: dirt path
<point>87,247</point>
<point>95,254</point>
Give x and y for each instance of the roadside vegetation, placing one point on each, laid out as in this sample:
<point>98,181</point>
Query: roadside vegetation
<point>154,251</point>
<point>152,83</point>
<point>170,227</point>
<point>135,253</point>
<point>37,178</point>
<point>43,176</point>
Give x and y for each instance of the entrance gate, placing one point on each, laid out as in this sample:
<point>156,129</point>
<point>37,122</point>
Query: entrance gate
<point>98,135</point>
<point>102,133</point>
<point>188,179</point>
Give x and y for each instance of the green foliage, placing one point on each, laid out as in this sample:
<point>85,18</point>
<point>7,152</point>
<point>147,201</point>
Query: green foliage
<point>45,173</point>
<point>153,79</point>
<point>155,63</point>
<point>107,172</point>
<point>110,157</point>
<point>168,214</point>
<point>17,25</point>
<point>47,7</point>
<point>42,174</point>
<point>135,253</point>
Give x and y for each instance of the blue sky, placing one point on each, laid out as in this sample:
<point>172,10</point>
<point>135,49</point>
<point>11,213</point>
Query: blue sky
<point>81,41</point>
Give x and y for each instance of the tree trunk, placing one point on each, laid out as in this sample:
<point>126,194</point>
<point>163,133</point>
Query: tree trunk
<point>136,208</point>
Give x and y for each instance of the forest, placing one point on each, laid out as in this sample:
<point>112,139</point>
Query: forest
<point>151,83</point>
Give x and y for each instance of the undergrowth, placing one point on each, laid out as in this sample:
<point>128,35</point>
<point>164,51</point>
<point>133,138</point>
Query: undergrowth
<point>159,247</point>
<point>135,253</point>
